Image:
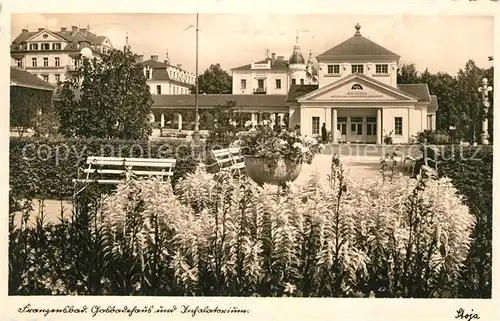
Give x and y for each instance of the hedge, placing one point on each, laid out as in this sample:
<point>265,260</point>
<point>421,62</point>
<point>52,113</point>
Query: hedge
<point>44,168</point>
<point>471,171</point>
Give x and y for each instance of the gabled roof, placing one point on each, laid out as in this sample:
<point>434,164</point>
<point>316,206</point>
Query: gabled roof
<point>23,78</point>
<point>419,90</point>
<point>434,103</point>
<point>297,91</point>
<point>67,35</point>
<point>358,46</point>
<point>214,100</point>
<point>276,65</point>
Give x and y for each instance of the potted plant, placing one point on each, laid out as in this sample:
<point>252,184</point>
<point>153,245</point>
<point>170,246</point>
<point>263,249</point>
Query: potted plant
<point>275,156</point>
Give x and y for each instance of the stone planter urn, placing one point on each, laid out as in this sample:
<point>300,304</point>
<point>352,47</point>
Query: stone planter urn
<point>262,172</point>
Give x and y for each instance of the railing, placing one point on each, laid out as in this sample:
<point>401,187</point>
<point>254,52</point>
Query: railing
<point>259,91</point>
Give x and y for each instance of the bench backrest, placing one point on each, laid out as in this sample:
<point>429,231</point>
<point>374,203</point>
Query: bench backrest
<point>227,157</point>
<point>108,170</point>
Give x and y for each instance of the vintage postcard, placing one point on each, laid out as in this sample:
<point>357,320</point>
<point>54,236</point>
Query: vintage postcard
<point>276,161</point>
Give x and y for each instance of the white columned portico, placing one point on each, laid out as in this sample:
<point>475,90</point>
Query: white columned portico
<point>379,126</point>
<point>334,125</point>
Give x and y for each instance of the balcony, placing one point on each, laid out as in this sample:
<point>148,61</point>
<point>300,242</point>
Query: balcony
<point>260,91</point>
<point>72,68</point>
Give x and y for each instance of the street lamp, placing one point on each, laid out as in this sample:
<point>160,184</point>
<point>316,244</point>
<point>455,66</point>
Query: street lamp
<point>196,133</point>
<point>485,89</point>
<point>452,130</point>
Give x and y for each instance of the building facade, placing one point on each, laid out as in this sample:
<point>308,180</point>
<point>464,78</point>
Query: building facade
<point>358,99</point>
<point>164,78</point>
<point>53,55</point>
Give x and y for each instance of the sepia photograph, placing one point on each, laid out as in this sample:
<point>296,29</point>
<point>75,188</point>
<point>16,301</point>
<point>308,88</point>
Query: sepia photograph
<point>251,155</point>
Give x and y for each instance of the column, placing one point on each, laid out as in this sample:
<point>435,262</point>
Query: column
<point>162,120</point>
<point>379,126</point>
<point>254,118</point>
<point>334,125</point>
<point>179,121</point>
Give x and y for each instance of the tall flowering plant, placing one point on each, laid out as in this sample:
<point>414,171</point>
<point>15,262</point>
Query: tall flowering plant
<point>261,140</point>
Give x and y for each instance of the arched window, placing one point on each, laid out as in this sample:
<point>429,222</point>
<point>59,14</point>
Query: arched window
<point>357,87</point>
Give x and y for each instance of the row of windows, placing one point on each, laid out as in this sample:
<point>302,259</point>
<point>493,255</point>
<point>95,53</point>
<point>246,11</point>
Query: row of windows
<point>357,125</point>
<point>173,75</point>
<point>260,83</point>
<point>45,62</point>
<point>45,46</point>
<point>174,89</point>
<point>379,69</point>
<point>45,77</point>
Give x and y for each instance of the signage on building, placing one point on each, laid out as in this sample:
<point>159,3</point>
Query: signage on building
<point>260,66</point>
<point>358,94</point>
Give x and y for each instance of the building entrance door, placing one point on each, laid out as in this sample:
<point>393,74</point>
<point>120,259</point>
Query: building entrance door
<point>342,129</point>
<point>356,133</point>
<point>371,129</point>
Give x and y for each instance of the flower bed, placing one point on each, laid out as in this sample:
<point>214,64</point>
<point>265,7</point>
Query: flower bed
<point>407,238</point>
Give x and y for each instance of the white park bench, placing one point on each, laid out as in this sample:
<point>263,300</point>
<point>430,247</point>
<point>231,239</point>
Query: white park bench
<point>113,170</point>
<point>229,160</point>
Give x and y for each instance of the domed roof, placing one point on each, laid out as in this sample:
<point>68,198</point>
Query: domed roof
<point>296,57</point>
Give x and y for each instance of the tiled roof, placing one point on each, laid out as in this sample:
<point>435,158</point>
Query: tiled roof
<point>68,35</point>
<point>419,90</point>
<point>25,79</point>
<point>154,64</point>
<point>277,65</point>
<point>357,46</point>
<point>434,103</point>
<point>214,100</point>
<point>299,90</point>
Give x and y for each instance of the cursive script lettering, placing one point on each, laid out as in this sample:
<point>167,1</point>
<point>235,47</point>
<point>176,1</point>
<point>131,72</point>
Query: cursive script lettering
<point>467,316</point>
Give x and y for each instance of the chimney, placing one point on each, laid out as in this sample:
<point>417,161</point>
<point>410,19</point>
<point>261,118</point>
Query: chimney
<point>154,57</point>
<point>179,66</point>
<point>281,58</point>
<point>74,28</point>
<point>40,29</point>
<point>140,58</point>
<point>63,29</point>
<point>25,30</point>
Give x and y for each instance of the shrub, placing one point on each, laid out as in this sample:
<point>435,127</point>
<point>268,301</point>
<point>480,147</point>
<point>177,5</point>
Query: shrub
<point>471,172</point>
<point>432,137</point>
<point>45,168</point>
<point>230,237</point>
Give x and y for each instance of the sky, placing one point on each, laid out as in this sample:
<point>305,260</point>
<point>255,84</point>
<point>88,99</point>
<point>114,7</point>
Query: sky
<point>437,42</point>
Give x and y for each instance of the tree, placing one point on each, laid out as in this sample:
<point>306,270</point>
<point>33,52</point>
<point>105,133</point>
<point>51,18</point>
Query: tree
<point>222,129</point>
<point>214,80</point>
<point>114,99</point>
<point>408,74</point>
<point>25,104</point>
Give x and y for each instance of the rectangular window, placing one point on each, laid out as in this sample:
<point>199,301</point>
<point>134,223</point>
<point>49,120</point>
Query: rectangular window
<point>57,62</point>
<point>56,46</point>
<point>371,129</point>
<point>33,46</point>
<point>381,69</point>
<point>19,62</point>
<point>260,83</point>
<point>341,119</point>
<point>45,46</point>
<point>45,78</point>
<point>333,69</point>
<point>293,81</point>
<point>243,84</point>
<point>158,89</point>
<point>302,81</point>
<point>371,119</point>
<point>278,83</point>
<point>356,119</point>
<point>315,125</point>
<point>342,127</point>
<point>33,62</point>
<point>45,62</point>
<point>398,125</point>
<point>147,74</point>
<point>57,78</point>
<point>357,69</point>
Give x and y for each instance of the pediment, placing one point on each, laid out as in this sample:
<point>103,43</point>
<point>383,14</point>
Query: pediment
<point>357,88</point>
<point>46,35</point>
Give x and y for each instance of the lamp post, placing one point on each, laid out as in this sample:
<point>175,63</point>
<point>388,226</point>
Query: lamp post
<point>196,132</point>
<point>485,89</point>
<point>452,131</point>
